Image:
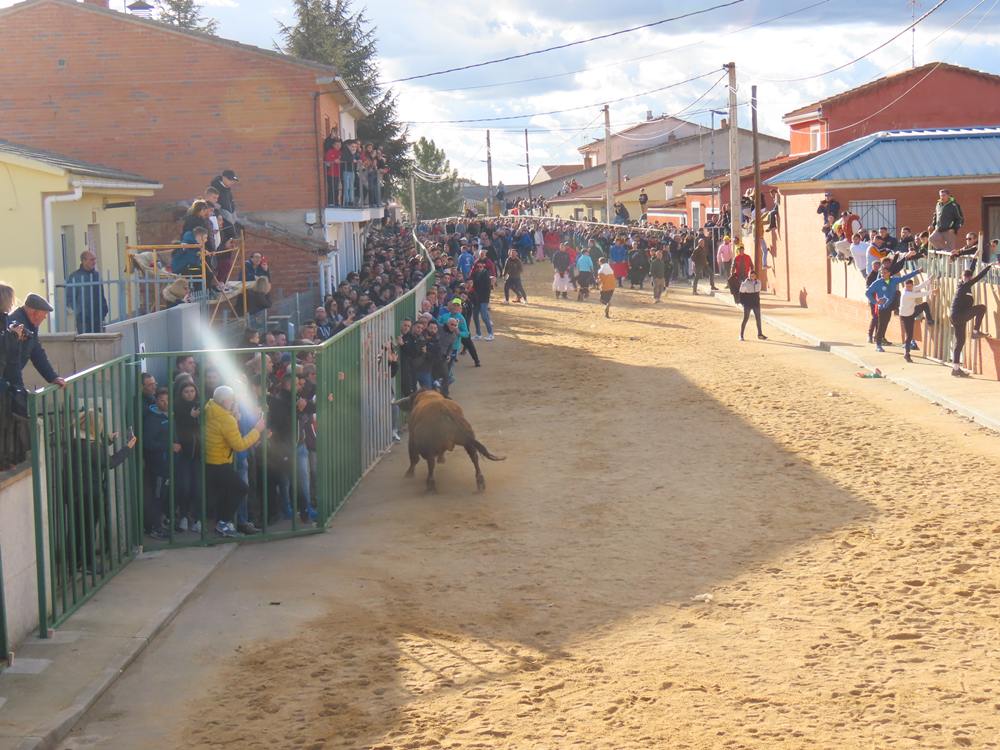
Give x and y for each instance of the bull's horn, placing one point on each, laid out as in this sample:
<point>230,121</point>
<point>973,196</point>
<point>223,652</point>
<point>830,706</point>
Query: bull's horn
<point>400,401</point>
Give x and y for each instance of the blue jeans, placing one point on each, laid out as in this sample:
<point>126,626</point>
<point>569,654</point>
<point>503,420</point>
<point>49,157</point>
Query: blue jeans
<point>302,466</point>
<point>482,310</point>
<point>425,379</point>
<point>348,188</point>
<point>243,472</point>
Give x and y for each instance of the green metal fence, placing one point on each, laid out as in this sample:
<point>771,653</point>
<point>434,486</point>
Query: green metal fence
<point>98,502</point>
<point>4,641</point>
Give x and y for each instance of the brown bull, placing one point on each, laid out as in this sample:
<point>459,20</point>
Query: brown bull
<point>436,426</point>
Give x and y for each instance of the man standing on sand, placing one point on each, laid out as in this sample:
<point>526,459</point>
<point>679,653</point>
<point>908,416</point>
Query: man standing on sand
<point>606,276</point>
<point>658,270</point>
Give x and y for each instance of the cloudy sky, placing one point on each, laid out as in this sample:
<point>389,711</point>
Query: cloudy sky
<point>421,36</point>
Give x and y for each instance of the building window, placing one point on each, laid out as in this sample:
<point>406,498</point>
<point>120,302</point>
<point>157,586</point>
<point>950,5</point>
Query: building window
<point>815,138</point>
<point>875,214</point>
<point>696,215</point>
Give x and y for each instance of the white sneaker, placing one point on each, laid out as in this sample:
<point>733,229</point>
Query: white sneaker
<point>183,524</point>
<point>476,337</point>
<point>395,437</point>
<point>196,527</point>
<point>490,337</point>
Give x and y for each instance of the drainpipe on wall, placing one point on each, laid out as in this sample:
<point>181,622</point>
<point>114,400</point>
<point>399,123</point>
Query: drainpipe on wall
<point>320,165</point>
<point>50,241</point>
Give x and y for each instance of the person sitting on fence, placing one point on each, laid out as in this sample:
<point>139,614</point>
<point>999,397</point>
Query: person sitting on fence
<point>946,222</point>
<point>223,485</point>
<point>85,295</point>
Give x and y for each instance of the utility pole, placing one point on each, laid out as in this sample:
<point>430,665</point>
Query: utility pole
<point>758,227</point>
<point>527,168</point>
<point>413,200</point>
<point>735,217</point>
<point>489,177</point>
<point>607,164</point>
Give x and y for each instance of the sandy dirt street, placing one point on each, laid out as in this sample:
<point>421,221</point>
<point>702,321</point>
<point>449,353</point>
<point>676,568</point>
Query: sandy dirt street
<point>843,529</point>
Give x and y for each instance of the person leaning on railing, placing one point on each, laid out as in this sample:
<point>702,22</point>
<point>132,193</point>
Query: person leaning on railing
<point>222,439</point>
<point>86,467</point>
<point>21,345</point>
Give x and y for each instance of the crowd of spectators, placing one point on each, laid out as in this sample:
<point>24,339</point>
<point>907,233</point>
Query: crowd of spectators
<point>272,391</point>
<point>355,172</point>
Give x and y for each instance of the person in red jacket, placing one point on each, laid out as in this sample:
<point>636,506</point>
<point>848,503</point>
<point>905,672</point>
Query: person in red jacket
<point>742,267</point>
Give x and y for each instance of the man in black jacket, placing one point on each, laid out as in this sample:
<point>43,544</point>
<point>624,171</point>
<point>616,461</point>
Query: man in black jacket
<point>964,309</point>
<point>948,219</point>
<point>24,346</point>
<point>227,206</point>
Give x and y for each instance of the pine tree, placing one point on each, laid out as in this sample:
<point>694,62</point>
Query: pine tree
<point>186,14</point>
<point>327,31</point>
<point>435,200</point>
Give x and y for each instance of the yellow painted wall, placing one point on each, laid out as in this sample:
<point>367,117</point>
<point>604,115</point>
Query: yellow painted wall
<point>586,208</point>
<point>22,233</point>
<point>22,242</point>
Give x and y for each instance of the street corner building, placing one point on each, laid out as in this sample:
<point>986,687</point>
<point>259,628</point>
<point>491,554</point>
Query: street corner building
<point>178,107</point>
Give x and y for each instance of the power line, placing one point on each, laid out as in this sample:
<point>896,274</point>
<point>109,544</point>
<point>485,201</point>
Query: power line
<point>560,111</point>
<point>886,43</point>
<point>618,63</point>
<point>929,72</point>
<point>568,44</point>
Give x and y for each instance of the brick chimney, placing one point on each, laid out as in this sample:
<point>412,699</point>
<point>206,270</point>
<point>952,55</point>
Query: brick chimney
<point>98,3</point>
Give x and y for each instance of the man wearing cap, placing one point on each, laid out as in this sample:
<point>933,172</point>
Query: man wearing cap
<point>85,296</point>
<point>227,206</point>
<point>26,346</point>
<point>465,259</point>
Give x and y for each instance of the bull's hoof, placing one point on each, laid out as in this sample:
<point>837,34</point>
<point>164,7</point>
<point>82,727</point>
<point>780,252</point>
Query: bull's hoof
<point>480,483</point>
<point>441,459</point>
<point>432,486</point>
<point>408,474</point>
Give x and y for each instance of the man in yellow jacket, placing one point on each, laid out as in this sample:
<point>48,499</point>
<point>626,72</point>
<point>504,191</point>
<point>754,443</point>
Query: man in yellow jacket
<point>222,439</point>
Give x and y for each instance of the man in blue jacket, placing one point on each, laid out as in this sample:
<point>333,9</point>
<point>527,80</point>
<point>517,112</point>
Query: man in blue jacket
<point>85,295</point>
<point>25,346</point>
<point>882,294</point>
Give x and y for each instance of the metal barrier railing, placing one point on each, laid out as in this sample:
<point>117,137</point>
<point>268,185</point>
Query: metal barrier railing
<point>328,417</point>
<point>86,526</point>
<point>939,340</point>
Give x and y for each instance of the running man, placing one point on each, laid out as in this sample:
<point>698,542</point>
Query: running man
<point>606,275</point>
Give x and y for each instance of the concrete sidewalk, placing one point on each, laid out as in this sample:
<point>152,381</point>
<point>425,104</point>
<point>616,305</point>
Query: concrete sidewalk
<point>974,397</point>
<point>54,681</point>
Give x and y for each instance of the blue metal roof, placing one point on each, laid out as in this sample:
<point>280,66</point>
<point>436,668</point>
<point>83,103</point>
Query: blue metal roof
<point>904,154</point>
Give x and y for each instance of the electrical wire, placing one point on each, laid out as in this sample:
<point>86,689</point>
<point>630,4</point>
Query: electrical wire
<point>925,77</point>
<point>569,109</point>
<point>568,44</point>
<point>626,61</point>
<point>847,64</point>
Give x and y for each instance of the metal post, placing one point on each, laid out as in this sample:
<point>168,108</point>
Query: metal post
<point>527,169</point>
<point>758,228</point>
<point>489,177</point>
<point>413,201</point>
<point>734,156</point>
<point>607,164</point>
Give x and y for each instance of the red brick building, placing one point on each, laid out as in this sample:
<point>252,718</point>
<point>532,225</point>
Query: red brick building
<point>181,106</point>
<point>897,102</point>
<point>893,174</point>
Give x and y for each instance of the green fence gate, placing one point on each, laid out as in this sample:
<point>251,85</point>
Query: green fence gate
<point>97,503</point>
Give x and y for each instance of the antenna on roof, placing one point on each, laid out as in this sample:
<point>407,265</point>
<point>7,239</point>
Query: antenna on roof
<point>913,32</point>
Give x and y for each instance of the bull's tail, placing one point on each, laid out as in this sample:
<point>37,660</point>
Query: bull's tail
<point>482,449</point>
